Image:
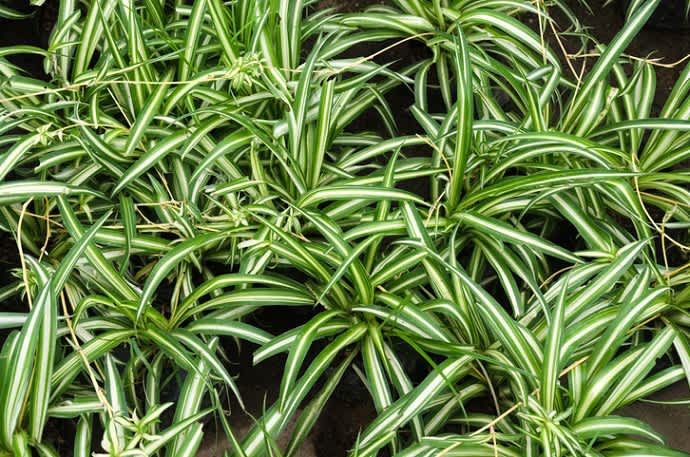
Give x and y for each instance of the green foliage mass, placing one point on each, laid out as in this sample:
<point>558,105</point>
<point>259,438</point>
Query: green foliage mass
<point>186,166</point>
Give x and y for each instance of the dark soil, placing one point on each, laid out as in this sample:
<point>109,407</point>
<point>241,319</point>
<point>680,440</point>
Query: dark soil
<point>345,415</point>
<point>346,6</point>
<point>33,31</point>
<point>671,420</point>
<point>660,39</point>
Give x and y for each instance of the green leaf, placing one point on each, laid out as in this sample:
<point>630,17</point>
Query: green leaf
<point>298,353</point>
<point>604,63</point>
<point>171,260</point>
<point>505,232</point>
<point>9,13</point>
<point>363,193</point>
<point>464,115</point>
<point>150,158</point>
<point>21,364</point>
<point>597,427</point>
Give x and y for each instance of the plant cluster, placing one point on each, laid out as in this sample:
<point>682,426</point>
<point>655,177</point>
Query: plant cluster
<point>187,165</point>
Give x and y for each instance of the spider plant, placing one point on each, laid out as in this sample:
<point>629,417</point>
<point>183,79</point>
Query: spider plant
<point>492,217</point>
<point>188,165</point>
<point>177,146</point>
<point>518,175</point>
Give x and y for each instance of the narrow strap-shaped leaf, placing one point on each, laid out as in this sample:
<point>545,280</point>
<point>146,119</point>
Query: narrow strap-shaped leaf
<point>588,395</point>
<point>71,365</point>
<point>171,260</point>
<point>12,320</point>
<point>223,27</point>
<point>604,63</point>
<point>96,258</point>
<point>296,116</point>
<point>312,412</point>
<point>171,432</point>
<point>129,222</point>
<point>229,328</point>
<point>376,435</point>
<point>170,345</point>
<point>15,154</point>
<point>322,136</point>
<point>655,349</point>
<point>382,210</point>
<point>318,269</point>
<point>9,13</point>
<point>237,279</point>
<point>191,442</point>
<point>44,363</point>
<point>539,182</point>
<point>656,383</point>
<point>505,277</point>
<point>552,353</point>
<point>90,36</point>
<point>82,438</point>
<point>359,275</point>
<point>70,260</point>
<point>586,226</point>
<point>347,264</point>
<point>249,297</point>
<point>406,320</point>
<point>229,144</point>
<point>628,314</point>
<point>506,257</point>
<point>298,353</point>
<point>594,427</point>
<point>20,365</point>
<point>512,336</point>
<point>76,407</point>
<point>402,264</point>
<point>150,158</point>
<point>641,449</point>
<point>510,234</point>
<point>115,393</point>
<point>365,193</point>
<point>18,191</point>
<point>373,366</point>
<point>682,346</point>
<point>287,161</point>
<point>416,230</point>
<point>367,154</point>
<point>191,396</point>
<point>144,118</point>
<point>193,27</point>
<point>603,282</point>
<point>20,445</point>
<point>275,418</point>
<point>283,342</point>
<point>464,117</point>
<point>197,346</point>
